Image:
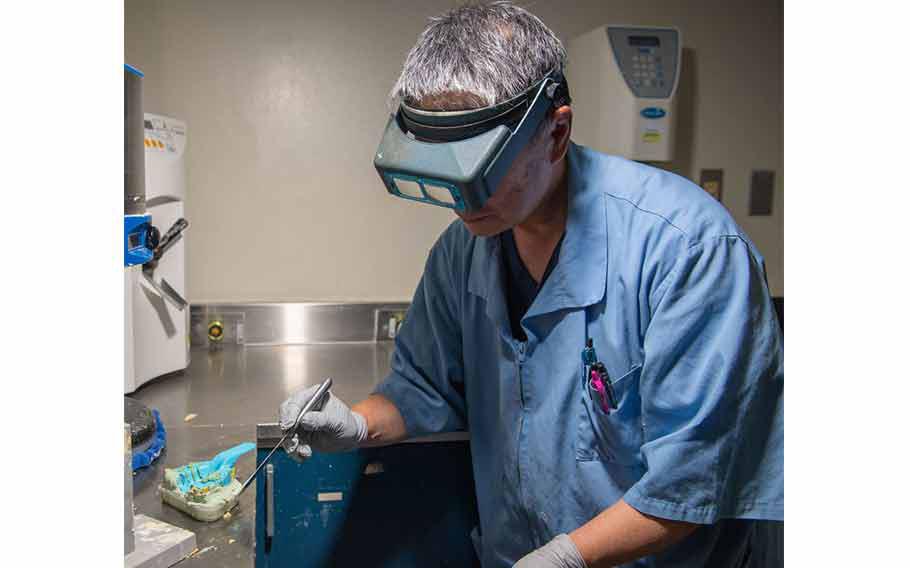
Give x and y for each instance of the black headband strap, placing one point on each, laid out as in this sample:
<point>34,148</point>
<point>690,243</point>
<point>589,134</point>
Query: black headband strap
<point>449,126</point>
<point>510,118</point>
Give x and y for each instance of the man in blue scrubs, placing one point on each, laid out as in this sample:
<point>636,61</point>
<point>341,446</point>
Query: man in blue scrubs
<point>576,248</point>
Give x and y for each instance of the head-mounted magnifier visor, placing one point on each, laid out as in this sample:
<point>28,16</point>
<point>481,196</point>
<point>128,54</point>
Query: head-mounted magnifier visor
<point>456,159</point>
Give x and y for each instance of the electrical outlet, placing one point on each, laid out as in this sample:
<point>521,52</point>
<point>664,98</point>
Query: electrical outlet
<point>388,320</point>
<point>712,181</point>
<point>231,324</point>
<point>761,196</point>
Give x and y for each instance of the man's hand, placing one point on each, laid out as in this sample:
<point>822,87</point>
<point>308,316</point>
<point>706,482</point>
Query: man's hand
<point>331,428</point>
<point>558,553</point>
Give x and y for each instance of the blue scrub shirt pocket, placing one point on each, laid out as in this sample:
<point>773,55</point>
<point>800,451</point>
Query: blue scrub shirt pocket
<point>616,437</point>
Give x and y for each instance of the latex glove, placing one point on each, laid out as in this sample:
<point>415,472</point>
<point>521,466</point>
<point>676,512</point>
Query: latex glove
<point>558,553</point>
<point>333,427</point>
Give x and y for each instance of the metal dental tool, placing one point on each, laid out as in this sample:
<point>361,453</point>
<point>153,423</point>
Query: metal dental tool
<point>321,393</point>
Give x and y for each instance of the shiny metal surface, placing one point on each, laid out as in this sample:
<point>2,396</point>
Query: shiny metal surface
<point>133,147</point>
<point>179,302</point>
<point>230,391</point>
<point>163,289</point>
<point>291,323</point>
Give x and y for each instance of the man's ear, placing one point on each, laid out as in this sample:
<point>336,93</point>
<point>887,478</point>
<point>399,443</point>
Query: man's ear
<point>560,132</point>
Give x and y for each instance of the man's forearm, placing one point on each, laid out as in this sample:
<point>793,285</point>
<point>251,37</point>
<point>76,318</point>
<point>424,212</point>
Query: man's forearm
<point>384,423</point>
<point>621,534</point>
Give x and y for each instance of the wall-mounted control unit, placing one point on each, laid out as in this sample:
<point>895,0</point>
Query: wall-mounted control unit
<point>623,81</point>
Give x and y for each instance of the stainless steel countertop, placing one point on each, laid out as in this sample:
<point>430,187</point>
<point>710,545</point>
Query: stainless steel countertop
<point>231,391</point>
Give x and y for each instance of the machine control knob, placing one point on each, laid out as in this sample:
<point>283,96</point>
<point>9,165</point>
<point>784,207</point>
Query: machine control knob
<point>170,237</point>
<point>152,237</point>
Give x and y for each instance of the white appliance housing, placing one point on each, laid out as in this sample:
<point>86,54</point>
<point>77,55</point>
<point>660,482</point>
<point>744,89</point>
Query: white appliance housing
<point>160,333</point>
<point>130,277</point>
<point>623,82</point>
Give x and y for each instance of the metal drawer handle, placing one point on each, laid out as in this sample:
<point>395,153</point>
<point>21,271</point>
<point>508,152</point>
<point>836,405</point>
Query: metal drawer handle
<point>269,501</point>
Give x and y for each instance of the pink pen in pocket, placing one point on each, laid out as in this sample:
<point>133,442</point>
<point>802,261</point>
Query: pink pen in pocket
<point>599,386</point>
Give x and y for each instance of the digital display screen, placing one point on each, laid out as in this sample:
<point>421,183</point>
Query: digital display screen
<point>644,41</point>
<point>133,240</point>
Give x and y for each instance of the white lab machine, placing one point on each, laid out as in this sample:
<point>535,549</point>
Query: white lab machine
<point>623,81</point>
<point>130,276</point>
<point>159,313</point>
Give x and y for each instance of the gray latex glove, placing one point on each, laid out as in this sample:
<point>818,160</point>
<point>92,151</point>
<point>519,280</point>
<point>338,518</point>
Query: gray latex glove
<point>331,427</point>
<point>558,553</point>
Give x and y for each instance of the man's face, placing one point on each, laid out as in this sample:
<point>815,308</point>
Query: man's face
<point>518,195</point>
<point>521,190</point>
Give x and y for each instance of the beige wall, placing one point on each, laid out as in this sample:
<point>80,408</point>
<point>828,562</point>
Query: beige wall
<point>285,102</point>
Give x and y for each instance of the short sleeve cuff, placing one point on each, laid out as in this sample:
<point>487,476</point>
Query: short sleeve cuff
<point>392,389</point>
<point>700,515</point>
<point>421,415</point>
<point>669,510</point>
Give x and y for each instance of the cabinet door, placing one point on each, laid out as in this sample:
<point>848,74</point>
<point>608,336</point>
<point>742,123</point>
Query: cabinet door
<point>409,505</point>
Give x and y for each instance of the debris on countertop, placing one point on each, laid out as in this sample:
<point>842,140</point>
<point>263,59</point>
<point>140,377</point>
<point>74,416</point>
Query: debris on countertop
<point>201,551</point>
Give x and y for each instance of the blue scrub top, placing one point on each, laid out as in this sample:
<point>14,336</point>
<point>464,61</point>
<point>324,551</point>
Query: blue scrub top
<point>520,287</point>
<point>675,298</point>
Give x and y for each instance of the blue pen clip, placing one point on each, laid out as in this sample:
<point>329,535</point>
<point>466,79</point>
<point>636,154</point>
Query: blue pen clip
<point>588,355</point>
<point>588,358</point>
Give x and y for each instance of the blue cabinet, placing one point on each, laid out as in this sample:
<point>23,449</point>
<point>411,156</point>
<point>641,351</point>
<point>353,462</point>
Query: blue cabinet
<point>407,505</point>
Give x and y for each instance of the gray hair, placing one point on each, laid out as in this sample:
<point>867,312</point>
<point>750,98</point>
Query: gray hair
<point>487,52</point>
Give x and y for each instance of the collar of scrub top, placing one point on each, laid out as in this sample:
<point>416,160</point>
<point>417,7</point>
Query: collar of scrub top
<point>579,278</point>
<point>451,126</point>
